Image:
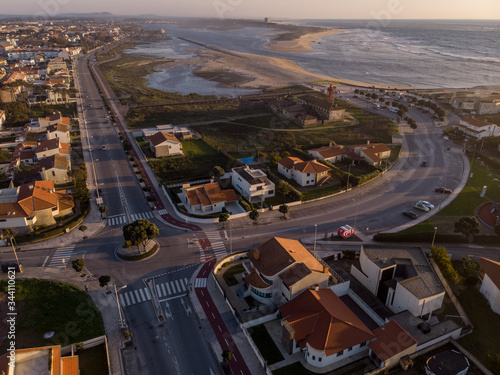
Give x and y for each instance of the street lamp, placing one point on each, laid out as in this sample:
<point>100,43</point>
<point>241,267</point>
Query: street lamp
<point>315,232</point>
<point>348,174</point>
<point>356,217</point>
<point>120,321</point>
<point>434,237</point>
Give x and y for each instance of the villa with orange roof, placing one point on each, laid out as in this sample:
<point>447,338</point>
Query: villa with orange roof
<point>33,203</point>
<point>490,287</point>
<point>280,269</point>
<point>305,173</point>
<point>41,123</point>
<point>207,198</point>
<point>373,153</point>
<point>321,325</point>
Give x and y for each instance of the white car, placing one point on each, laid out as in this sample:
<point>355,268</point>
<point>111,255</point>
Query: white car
<point>427,204</point>
<point>420,206</point>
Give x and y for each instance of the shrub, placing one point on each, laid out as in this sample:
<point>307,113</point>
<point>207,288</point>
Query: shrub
<point>146,188</point>
<point>104,280</point>
<point>79,264</point>
<point>132,158</point>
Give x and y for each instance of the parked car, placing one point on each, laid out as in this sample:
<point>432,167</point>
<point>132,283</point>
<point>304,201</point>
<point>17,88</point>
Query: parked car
<point>98,192</point>
<point>427,204</point>
<point>420,206</point>
<point>103,148</point>
<point>412,215</point>
<point>442,190</point>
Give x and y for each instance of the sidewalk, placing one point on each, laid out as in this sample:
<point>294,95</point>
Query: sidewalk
<point>219,325</point>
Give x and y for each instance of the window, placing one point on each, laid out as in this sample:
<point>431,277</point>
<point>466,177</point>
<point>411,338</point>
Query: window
<point>53,173</point>
<point>320,359</point>
<point>270,192</point>
<point>349,349</point>
<point>266,279</point>
<point>314,357</point>
<point>261,294</point>
<point>362,344</point>
<point>308,174</point>
<point>340,353</point>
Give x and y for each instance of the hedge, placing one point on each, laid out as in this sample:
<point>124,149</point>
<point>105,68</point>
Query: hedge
<point>418,237</point>
<point>140,256</point>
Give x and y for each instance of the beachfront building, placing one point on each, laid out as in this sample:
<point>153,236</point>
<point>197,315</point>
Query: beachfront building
<point>401,278</point>
<point>252,184</point>
<point>318,323</point>
<point>305,173</point>
<point>490,286</point>
<point>165,144</point>
<point>206,198</point>
<point>482,105</point>
<point>477,128</point>
<point>280,269</point>
<point>323,109</point>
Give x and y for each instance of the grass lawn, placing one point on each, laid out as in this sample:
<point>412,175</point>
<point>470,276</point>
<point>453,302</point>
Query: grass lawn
<point>93,361</point>
<point>67,110</point>
<point>265,343</point>
<point>230,272</point>
<point>195,147</point>
<point>271,121</point>
<point>44,305</point>
<point>482,342</point>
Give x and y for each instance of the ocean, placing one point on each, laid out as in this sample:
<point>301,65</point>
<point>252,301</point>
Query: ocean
<point>416,53</point>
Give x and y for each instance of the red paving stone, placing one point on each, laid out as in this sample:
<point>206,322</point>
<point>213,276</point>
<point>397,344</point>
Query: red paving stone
<point>487,216</point>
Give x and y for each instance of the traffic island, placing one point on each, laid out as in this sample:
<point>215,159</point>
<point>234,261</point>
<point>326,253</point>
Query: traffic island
<point>132,253</point>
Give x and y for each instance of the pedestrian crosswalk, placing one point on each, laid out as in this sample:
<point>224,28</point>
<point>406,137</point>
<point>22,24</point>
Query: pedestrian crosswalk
<point>200,283</point>
<point>61,257</point>
<point>162,212</point>
<point>216,243</point>
<point>96,117</point>
<point>163,290</point>
<point>122,219</point>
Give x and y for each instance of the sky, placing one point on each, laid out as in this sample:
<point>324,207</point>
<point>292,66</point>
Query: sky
<point>295,9</point>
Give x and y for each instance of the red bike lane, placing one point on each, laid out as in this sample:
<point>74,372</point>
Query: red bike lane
<point>237,363</point>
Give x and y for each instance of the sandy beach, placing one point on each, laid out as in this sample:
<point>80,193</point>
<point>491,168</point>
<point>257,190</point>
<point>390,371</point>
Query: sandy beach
<point>302,44</point>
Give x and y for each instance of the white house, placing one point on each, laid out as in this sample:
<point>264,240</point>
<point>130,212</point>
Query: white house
<point>490,287</point>
<point>33,203</point>
<point>478,128</point>
<point>305,173</point>
<point>252,184</point>
<point>280,269</point>
<point>60,131</point>
<point>165,144</point>
<point>332,153</point>
<point>207,198</point>
<point>321,325</point>
<point>401,278</point>
<point>42,123</point>
<point>55,168</point>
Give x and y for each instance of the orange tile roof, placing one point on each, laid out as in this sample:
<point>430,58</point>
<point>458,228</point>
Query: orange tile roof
<point>208,194</point>
<point>476,122</point>
<point>331,151</point>
<point>322,320</point>
<point>392,339</point>
<point>492,269</point>
<point>69,365</point>
<point>11,209</point>
<point>277,254</point>
<point>288,161</point>
<point>311,167</point>
<point>160,137</point>
<point>37,196</point>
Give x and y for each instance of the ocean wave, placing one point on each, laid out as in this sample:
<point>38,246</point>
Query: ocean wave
<point>462,57</point>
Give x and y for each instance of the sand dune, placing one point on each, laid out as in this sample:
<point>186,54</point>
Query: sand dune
<point>302,44</point>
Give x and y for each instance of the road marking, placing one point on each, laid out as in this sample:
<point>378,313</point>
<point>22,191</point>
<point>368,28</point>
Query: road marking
<point>158,291</point>
<point>177,285</point>
<point>148,295</point>
<point>163,289</point>
<point>137,296</point>
<point>213,315</point>
<point>142,295</point>
<point>126,298</point>
<point>168,288</point>
<point>122,301</point>
<point>172,285</point>
<point>200,283</point>
<point>207,303</point>
<point>220,329</point>
<point>174,297</point>
<point>45,261</point>
<point>132,299</point>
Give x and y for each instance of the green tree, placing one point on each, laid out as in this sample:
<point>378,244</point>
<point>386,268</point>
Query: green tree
<point>227,355</point>
<point>284,188</point>
<point>78,264</point>
<point>83,228</point>
<point>223,218</point>
<point>140,233</point>
<point>413,125</point>
<point>218,171</point>
<point>442,259</point>
<point>284,209</point>
<point>104,280</point>
<point>103,209</point>
<point>468,226</point>
<point>254,215</point>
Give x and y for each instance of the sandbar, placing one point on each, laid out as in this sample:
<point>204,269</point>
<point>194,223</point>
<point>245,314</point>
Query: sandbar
<point>302,44</point>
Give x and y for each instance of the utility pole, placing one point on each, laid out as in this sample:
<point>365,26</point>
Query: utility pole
<point>315,232</point>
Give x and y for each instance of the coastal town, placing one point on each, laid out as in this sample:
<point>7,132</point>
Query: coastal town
<point>312,225</point>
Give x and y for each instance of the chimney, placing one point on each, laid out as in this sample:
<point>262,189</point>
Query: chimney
<point>316,288</point>
<point>330,144</point>
<point>256,254</point>
<point>368,142</point>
